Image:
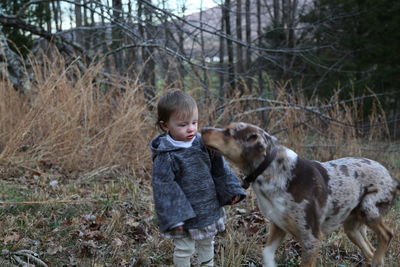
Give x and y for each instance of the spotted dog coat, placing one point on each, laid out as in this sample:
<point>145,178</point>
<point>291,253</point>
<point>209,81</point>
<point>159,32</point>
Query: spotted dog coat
<point>309,199</point>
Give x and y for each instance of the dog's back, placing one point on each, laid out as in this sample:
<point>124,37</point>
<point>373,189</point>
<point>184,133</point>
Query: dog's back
<point>357,185</point>
<point>366,171</point>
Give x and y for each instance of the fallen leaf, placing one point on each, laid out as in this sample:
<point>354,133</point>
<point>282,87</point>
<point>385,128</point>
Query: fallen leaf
<point>132,222</point>
<point>93,235</point>
<point>14,237</point>
<point>54,250</point>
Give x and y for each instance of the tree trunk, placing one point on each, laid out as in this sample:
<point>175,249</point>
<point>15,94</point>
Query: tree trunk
<point>148,73</point>
<point>259,35</point>
<point>130,59</point>
<point>239,48</point>
<point>277,11</point>
<point>85,13</point>
<point>49,21</point>
<point>104,37</point>
<point>222,55</point>
<point>292,21</point>
<point>167,67</point>
<point>60,15</point>
<point>116,36</point>
<point>231,66</point>
<point>248,50</point>
<point>93,7</point>
<point>181,51</point>
<point>203,55</point>
<point>78,21</point>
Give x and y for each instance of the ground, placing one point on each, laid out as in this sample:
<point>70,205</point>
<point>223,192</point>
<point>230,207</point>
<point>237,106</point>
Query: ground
<point>105,218</point>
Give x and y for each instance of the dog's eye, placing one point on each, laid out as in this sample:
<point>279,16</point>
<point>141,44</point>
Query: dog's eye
<point>252,138</point>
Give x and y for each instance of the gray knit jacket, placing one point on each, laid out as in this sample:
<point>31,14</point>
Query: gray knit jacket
<point>190,185</point>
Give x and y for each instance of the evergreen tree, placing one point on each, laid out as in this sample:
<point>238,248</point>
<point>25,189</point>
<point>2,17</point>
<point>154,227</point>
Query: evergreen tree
<point>361,41</point>
<point>38,14</point>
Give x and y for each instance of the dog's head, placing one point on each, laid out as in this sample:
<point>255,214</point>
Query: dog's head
<point>242,143</point>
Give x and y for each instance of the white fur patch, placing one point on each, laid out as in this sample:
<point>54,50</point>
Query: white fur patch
<point>268,257</point>
<point>291,155</point>
<point>272,210</point>
<point>269,253</point>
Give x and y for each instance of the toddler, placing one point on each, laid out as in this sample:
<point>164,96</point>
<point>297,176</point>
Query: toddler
<point>190,183</point>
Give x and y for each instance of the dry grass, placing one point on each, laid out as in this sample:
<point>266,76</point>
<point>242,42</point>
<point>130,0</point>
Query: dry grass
<point>70,123</point>
<point>75,170</point>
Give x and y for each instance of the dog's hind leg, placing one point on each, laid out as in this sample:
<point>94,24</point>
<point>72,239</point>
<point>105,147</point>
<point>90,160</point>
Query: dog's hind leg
<point>363,230</point>
<point>356,231</point>
<point>385,235</point>
<point>275,238</point>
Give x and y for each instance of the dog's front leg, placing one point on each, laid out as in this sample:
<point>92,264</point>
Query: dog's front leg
<point>276,236</point>
<point>310,249</point>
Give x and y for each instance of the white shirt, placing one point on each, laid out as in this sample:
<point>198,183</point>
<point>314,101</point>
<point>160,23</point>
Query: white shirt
<point>183,144</point>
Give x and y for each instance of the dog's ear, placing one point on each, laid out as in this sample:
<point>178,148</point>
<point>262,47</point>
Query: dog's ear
<point>272,138</point>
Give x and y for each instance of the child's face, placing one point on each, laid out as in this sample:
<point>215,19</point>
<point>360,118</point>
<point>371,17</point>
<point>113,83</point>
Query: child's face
<point>181,128</point>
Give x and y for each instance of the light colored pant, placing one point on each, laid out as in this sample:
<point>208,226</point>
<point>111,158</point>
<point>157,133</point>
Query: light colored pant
<point>186,247</point>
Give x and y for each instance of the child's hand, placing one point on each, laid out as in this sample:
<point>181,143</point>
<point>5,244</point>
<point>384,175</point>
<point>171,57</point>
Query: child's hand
<point>235,199</point>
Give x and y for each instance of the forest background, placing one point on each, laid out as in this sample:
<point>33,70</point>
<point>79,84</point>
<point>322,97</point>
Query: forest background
<point>79,80</point>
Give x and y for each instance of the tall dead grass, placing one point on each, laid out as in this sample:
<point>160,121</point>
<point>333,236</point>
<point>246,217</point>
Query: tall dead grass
<point>69,121</point>
<point>318,129</point>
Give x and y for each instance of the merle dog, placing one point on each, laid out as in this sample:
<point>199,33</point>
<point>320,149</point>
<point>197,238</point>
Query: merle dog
<point>306,198</point>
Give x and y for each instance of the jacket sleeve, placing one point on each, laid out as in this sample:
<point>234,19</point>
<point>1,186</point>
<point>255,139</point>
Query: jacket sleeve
<point>226,182</point>
<point>171,204</point>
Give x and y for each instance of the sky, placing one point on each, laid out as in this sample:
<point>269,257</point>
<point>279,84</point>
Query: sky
<point>193,5</point>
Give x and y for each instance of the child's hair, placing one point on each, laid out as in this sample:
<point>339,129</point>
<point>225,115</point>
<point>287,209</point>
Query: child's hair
<point>175,101</point>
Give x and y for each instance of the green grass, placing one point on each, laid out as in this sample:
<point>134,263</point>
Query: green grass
<point>10,192</point>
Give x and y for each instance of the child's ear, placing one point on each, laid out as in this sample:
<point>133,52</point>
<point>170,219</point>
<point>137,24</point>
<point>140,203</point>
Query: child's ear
<point>163,125</point>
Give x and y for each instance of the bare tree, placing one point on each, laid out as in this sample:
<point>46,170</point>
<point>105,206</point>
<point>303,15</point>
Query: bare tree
<point>248,41</point>
<point>231,66</point>
<point>56,14</point>
<point>239,47</point>
<point>49,20</point>
<point>116,35</point>
<point>78,20</point>
<point>203,56</point>
<point>259,34</point>
<point>222,54</point>
<point>145,29</point>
